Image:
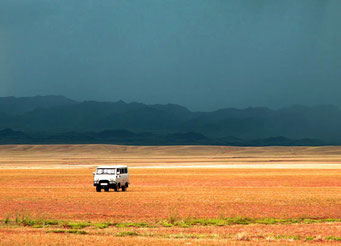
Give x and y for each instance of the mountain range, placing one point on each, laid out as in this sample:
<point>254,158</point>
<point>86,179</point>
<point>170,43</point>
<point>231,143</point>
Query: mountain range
<point>57,119</point>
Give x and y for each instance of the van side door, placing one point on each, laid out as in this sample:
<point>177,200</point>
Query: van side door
<point>119,176</point>
<point>126,175</point>
<point>123,174</point>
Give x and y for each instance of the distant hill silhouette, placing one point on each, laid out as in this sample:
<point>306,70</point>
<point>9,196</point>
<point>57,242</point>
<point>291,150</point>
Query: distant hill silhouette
<point>56,119</point>
<point>20,105</point>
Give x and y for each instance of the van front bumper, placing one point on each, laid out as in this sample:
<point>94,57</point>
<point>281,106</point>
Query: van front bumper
<point>111,183</point>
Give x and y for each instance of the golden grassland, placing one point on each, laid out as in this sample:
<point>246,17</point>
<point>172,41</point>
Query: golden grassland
<point>157,193</point>
<point>59,156</point>
<point>24,236</point>
<point>172,206</point>
<point>56,204</point>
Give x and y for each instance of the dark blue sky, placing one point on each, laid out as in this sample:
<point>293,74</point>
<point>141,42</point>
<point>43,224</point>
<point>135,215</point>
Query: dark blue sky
<point>203,54</point>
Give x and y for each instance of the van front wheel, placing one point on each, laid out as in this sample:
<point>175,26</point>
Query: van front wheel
<point>98,188</point>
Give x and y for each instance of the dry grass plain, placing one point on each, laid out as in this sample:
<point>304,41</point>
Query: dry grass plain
<point>47,197</point>
<point>80,156</point>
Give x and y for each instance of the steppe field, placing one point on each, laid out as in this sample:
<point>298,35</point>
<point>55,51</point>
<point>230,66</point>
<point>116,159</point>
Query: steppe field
<point>179,195</point>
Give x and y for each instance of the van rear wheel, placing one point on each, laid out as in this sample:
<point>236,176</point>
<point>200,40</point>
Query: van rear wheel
<point>98,188</point>
<point>106,189</point>
<point>124,188</point>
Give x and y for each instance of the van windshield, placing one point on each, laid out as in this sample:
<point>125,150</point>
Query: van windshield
<point>105,171</point>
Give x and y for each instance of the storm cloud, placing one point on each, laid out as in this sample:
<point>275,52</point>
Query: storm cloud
<point>199,53</point>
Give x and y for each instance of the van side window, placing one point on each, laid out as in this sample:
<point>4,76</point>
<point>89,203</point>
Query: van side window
<point>122,170</point>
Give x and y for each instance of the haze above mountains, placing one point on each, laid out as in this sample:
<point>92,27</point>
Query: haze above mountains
<point>203,54</point>
<point>57,119</point>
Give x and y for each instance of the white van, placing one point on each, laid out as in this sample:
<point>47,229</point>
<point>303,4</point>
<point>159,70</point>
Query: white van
<point>111,177</point>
